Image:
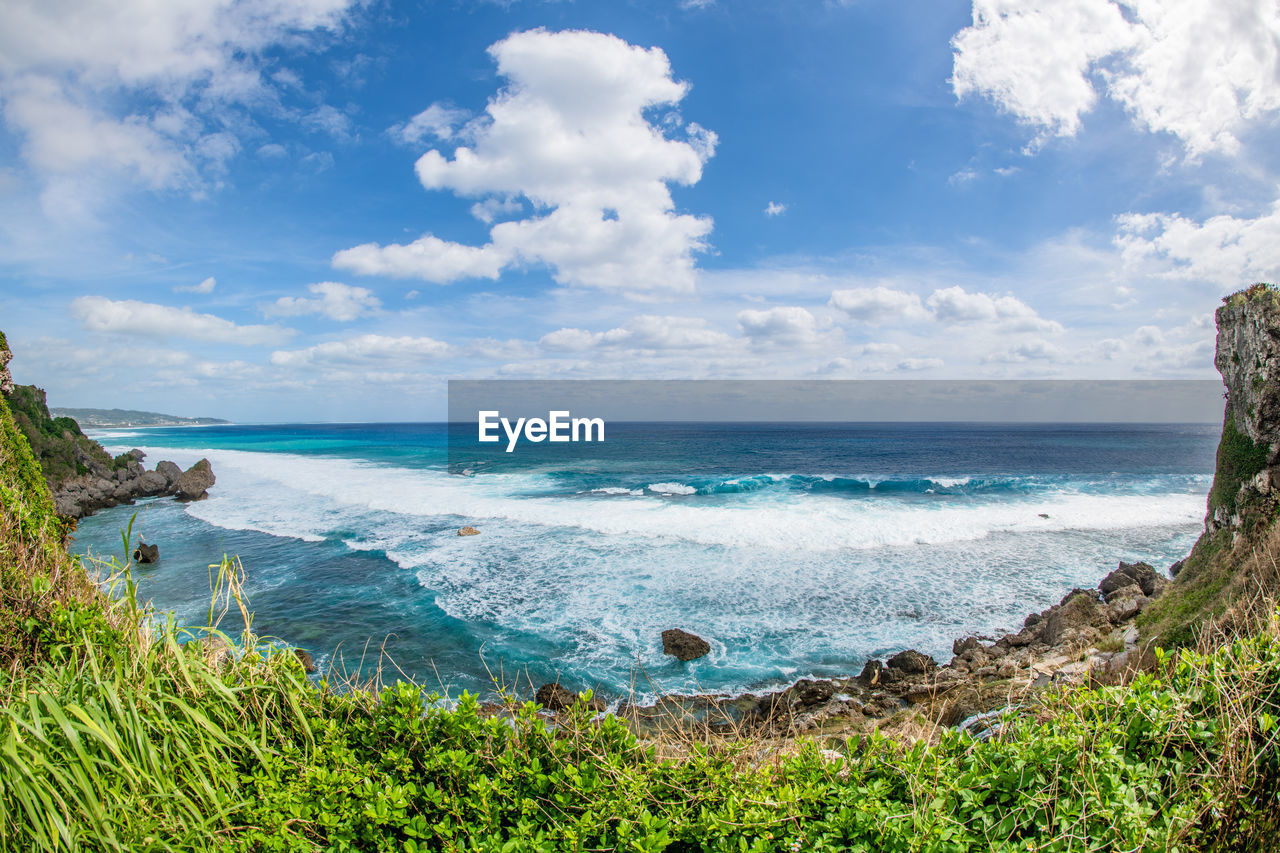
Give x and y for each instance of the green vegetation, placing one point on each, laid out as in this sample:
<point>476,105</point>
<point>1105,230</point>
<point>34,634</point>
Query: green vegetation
<point>120,731</point>
<point>1239,459</point>
<point>57,443</point>
<point>1255,292</point>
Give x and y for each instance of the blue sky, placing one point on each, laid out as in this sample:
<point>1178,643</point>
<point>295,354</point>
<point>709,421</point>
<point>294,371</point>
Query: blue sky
<point>324,209</point>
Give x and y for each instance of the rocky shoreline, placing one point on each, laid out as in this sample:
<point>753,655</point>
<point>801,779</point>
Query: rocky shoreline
<point>101,487</point>
<point>1088,637</point>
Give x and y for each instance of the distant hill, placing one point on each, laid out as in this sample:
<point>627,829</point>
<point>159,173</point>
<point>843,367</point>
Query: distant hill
<point>99,418</point>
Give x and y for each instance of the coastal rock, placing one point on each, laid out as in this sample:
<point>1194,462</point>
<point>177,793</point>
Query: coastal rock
<point>966,644</point>
<point>152,483</point>
<point>304,658</point>
<point>195,482</point>
<point>1078,610</point>
<point>1176,568</point>
<point>145,553</point>
<point>683,645</point>
<point>553,697</point>
<point>1142,574</point>
<point>1125,603</point>
<point>468,531</point>
<point>912,662</point>
<point>171,473</point>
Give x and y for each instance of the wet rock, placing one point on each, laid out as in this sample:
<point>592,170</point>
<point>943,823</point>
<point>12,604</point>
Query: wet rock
<point>683,645</point>
<point>145,553</point>
<point>468,531</point>
<point>959,647</point>
<point>304,658</point>
<point>195,482</point>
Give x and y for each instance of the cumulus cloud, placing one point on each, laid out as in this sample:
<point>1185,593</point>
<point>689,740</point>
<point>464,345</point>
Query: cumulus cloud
<point>205,286</point>
<point>787,325</point>
<point>1228,251</point>
<point>1201,70</point>
<point>879,304</point>
<point>332,299</point>
<point>569,133</point>
<point>146,319</point>
<point>956,305</point>
<point>951,305</point>
<point>362,350</point>
<point>643,332</point>
<point>177,66</point>
<point>775,209</point>
<point>436,121</point>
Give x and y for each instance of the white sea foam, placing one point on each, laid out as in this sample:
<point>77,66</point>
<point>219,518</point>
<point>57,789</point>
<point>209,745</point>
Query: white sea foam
<point>307,496</point>
<point>671,489</point>
<point>775,575</point>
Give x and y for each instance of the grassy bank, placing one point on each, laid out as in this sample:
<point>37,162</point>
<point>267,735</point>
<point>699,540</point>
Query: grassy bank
<point>122,732</point>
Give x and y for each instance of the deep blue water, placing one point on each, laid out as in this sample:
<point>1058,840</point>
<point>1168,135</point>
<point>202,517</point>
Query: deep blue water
<point>795,549</point>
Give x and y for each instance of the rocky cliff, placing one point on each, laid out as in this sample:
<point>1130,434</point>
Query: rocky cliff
<point>79,473</point>
<point>1233,563</point>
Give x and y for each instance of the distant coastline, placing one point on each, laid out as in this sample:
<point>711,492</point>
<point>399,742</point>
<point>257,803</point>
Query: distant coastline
<point>118,418</point>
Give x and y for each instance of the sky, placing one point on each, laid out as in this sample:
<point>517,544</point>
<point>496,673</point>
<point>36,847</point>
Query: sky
<point>322,210</point>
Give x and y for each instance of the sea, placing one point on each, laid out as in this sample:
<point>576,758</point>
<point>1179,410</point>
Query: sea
<point>795,549</point>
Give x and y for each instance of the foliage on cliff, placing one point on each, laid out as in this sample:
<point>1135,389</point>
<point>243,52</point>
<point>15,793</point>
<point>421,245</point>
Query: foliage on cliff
<point>58,443</point>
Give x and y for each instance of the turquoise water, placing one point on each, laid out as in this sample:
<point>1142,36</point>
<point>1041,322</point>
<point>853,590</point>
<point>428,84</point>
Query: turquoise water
<point>795,549</point>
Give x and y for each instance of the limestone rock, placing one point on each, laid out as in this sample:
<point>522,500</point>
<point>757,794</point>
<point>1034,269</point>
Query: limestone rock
<point>195,482</point>
<point>171,473</point>
<point>468,531</point>
<point>683,645</point>
<point>304,658</point>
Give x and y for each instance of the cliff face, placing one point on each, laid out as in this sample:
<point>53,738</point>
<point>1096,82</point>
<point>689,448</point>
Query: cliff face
<point>1248,357</point>
<point>1236,558</point>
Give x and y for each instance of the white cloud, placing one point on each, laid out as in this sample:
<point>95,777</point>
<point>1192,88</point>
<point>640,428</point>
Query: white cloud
<point>493,208</point>
<point>438,121</point>
<point>362,350</point>
<point>569,134</point>
<point>148,320</point>
<point>879,304</point>
<point>334,300</point>
<point>911,364</point>
<point>205,286</point>
<point>1199,69</point>
<point>1228,251</point>
<point>956,305</point>
<point>179,65</point>
<point>788,325</point>
<point>643,332</point>
<point>775,209</point>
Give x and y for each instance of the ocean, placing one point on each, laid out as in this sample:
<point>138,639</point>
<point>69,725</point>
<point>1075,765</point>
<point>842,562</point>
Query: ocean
<point>794,549</point>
